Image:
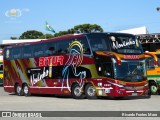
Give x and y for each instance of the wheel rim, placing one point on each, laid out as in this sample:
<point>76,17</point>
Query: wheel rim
<point>91,91</point>
<point>77,91</point>
<point>153,89</point>
<point>25,89</point>
<point>18,89</point>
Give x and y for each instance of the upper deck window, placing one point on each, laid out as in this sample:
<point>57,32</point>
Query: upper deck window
<point>27,51</point>
<point>17,53</point>
<point>98,42</point>
<point>38,50</point>
<point>50,49</point>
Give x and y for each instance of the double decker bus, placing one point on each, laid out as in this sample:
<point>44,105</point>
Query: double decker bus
<point>151,44</point>
<point>153,71</point>
<point>81,65</point>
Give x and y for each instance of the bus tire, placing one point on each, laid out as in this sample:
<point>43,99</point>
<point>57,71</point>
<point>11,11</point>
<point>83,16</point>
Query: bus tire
<point>90,92</point>
<point>18,90</point>
<point>153,89</point>
<point>76,92</point>
<point>158,92</point>
<point>26,90</point>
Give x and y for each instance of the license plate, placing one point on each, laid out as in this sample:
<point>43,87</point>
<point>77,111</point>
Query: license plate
<point>134,94</point>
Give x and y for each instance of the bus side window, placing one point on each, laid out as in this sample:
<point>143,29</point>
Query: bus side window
<point>84,42</point>
<point>63,46</point>
<point>38,50</point>
<point>107,70</point>
<point>49,49</point>
<point>17,53</point>
<point>98,42</point>
<point>86,46</point>
<point>27,51</point>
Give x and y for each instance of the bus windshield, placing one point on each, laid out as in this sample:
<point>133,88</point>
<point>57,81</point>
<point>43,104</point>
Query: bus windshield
<point>130,71</point>
<point>125,44</point>
<point>117,42</point>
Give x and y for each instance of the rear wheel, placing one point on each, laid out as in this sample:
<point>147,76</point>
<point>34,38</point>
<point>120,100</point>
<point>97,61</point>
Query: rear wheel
<point>18,90</point>
<point>26,90</point>
<point>90,92</point>
<point>77,92</point>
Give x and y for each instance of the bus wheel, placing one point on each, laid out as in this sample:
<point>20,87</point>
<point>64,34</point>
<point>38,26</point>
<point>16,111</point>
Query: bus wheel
<point>158,92</point>
<point>26,90</point>
<point>90,92</point>
<point>76,92</point>
<point>18,90</point>
<point>153,89</point>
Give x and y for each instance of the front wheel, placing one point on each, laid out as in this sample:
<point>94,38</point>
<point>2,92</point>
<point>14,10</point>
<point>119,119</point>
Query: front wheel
<point>153,89</point>
<point>90,92</point>
<point>76,92</point>
<point>158,92</point>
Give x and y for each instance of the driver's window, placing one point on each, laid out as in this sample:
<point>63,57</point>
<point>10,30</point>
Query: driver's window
<point>150,63</point>
<point>107,70</point>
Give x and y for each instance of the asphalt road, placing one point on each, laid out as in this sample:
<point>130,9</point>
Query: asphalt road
<point>12,102</point>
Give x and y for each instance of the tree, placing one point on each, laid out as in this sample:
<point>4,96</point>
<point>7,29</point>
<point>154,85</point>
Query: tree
<point>31,34</point>
<point>158,8</point>
<point>83,28</point>
<point>13,38</point>
<point>46,36</point>
<point>61,33</point>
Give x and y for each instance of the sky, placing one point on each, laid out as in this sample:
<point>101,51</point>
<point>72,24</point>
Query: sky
<point>111,15</point>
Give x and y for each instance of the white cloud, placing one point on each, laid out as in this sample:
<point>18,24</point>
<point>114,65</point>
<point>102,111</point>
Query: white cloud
<point>16,12</point>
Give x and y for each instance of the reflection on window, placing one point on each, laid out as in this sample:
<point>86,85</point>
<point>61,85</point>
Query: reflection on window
<point>130,71</point>
<point>50,49</point>
<point>98,42</point>
<point>38,50</point>
<point>27,51</point>
<point>63,46</point>
<point>16,53</point>
<point>83,41</point>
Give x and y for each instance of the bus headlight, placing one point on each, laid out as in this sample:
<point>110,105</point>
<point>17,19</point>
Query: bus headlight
<point>146,85</point>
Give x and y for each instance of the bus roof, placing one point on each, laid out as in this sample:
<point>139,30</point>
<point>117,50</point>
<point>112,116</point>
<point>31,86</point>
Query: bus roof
<point>68,36</point>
